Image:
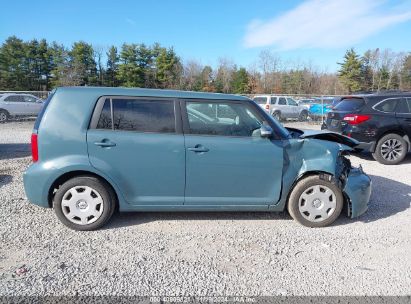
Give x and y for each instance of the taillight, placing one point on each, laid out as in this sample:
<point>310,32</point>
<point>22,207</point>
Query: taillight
<point>355,119</point>
<point>34,148</point>
<point>267,106</point>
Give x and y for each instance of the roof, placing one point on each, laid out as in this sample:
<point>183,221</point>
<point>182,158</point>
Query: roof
<point>381,94</point>
<point>151,93</point>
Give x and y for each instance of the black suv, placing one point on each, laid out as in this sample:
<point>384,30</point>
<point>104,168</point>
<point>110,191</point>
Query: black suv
<point>381,122</point>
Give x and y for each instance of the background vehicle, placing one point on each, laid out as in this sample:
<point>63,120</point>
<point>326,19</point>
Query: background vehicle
<point>281,107</point>
<point>320,107</point>
<point>12,105</point>
<point>159,150</point>
<point>306,103</point>
<point>382,122</point>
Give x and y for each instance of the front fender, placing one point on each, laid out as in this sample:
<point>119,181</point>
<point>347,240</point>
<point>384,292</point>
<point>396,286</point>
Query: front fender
<point>302,156</point>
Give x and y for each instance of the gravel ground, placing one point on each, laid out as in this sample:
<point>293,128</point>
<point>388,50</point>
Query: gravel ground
<point>203,253</point>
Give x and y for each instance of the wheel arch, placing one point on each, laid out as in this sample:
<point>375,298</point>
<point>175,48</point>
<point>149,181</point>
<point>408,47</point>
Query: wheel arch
<point>76,173</point>
<point>399,132</point>
<point>285,198</point>
<point>4,110</point>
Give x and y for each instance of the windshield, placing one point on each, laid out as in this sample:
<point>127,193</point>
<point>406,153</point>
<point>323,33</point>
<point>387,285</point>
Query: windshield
<point>350,104</point>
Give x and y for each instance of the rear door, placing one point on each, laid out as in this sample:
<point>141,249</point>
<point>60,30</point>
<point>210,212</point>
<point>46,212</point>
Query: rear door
<point>283,107</point>
<point>403,114</point>
<point>138,143</point>
<point>228,162</point>
<point>15,105</point>
<point>293,108</point>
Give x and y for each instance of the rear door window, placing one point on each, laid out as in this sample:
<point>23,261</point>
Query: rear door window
<point>282,101</point>
<point>14,98</point>
<point>139,115</point>
<point>350,104</point>
<point>404,106</point>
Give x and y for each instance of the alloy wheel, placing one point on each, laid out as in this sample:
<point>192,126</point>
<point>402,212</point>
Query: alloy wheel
<point>3,117</point>
<point>392,149</point>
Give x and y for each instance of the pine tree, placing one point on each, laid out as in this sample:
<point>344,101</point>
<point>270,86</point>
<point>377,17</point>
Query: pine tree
<point>82,64</point>
<point>240,82</point>
<point>13,65</point>
<point>112,67</point>
<point>167,64</point>
<point>350,71</point>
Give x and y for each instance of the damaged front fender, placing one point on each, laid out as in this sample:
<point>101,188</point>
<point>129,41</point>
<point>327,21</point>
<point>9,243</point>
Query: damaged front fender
<point>312,155</point>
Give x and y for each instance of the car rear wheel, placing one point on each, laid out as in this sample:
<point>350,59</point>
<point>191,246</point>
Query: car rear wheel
<point>84,203</point>
<point>315,202</point>
<point>391,149</point>
<point>4,116</point>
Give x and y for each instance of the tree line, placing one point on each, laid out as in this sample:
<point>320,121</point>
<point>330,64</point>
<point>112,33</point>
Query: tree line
<point>38,65</point>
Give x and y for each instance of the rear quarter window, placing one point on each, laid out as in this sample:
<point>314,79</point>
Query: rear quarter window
<point>388,105</point>
<point>260,100</point>
<point>350,104</point>
<point>404,106</point>
<point>43,109</point>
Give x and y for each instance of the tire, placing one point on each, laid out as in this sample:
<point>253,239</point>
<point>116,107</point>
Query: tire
<point>311,206</point>
<point>4,116</point>
<point>84,203</point>
<point>277,115</point>
<point>303,116</point>
<point>391,149</point>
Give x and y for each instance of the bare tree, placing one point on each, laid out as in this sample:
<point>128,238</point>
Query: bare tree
<point>269,64</point>
<point>192,74</point>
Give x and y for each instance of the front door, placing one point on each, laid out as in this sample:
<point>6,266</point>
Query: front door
<point>403,114</point>
<point>33,105</point>
<point>293,107</point>
<point>135,142</point>
<point>228,163</point>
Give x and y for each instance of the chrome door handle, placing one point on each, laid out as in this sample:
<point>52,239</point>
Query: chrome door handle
<point>105,144</point>
<point>198,149</point>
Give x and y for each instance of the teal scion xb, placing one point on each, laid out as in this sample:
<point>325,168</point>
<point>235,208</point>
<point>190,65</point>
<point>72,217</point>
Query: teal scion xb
<point>98,149</point>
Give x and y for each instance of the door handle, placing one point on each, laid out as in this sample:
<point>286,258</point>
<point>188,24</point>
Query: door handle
<point>105,144</point>
<point>198,149</point>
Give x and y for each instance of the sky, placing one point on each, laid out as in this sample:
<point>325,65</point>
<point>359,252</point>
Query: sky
<point>312,31</point>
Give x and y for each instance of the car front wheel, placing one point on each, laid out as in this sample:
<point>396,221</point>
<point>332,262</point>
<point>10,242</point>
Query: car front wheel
<point>391,149</point>
<point>303,116</point>
<point>84,203</point>
<point>277,115</point>
<point>315,202</point>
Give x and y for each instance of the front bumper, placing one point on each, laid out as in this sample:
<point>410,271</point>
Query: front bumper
<point>358,192</point>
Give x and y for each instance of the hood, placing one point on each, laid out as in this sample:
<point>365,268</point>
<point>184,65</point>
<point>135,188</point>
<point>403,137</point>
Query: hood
<point>325,135</point>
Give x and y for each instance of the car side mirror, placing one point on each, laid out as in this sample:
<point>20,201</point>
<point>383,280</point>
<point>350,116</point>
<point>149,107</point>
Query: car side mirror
<point>266,131</point>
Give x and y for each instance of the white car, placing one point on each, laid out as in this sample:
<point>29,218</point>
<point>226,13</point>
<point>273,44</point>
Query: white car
<point>13,105</point>
<point>281,107</point>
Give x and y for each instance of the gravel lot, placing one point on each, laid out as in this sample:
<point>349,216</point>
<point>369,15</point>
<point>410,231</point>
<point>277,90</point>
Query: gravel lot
<point>203,253</point>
